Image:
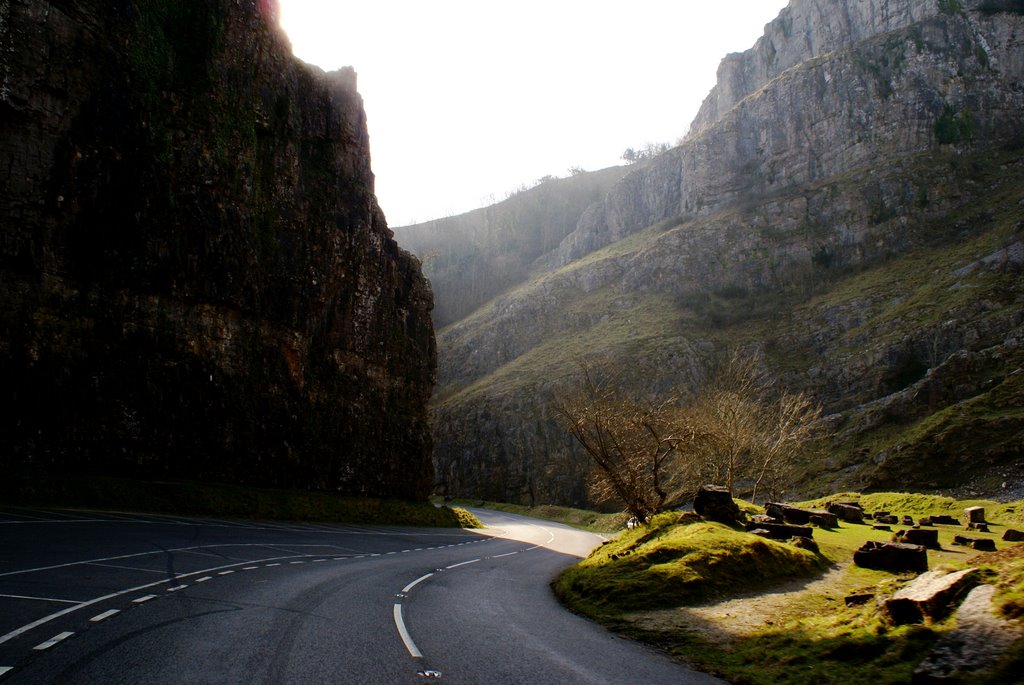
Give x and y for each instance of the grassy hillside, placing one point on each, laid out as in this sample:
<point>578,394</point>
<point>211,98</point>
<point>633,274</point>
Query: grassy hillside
<point>913,354</point>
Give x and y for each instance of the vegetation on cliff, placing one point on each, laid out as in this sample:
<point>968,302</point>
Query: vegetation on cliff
<point>866,242</point>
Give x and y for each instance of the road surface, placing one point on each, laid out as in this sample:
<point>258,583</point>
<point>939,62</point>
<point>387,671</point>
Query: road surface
<point>90,597</point>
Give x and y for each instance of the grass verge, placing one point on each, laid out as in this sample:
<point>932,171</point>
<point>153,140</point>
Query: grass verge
<point>757,612</point>
<point>222,501</point>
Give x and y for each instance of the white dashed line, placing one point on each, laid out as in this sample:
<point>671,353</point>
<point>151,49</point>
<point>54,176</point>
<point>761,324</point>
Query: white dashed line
<point>104,616</point>
<point>296,562</point>
<point>269,565</point>
<point>224,573</point>
<point>52,641</point>
<point>42,599</point>
<point>5,670</point>
<point>317,561</point>
<point>499,556</point>
<point>176,588</point>
<point>142,599</point>
<point>203,579</point>
<point>249,568</point>
<point>404,634</point>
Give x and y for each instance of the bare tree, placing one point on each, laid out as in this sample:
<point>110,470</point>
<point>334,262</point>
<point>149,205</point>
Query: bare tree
<point>636,448</point>
<point>759,427</point>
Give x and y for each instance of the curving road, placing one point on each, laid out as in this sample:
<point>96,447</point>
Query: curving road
<point>91,597</point>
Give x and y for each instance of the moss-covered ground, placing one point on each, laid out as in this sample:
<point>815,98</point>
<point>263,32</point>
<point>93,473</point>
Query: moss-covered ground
<point>755,611</point>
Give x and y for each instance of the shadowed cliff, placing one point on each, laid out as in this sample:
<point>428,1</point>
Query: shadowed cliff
<point>195,277</point>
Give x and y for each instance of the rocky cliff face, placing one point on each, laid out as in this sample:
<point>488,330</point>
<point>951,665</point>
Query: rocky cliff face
<point>196,277</point>
<point>827,207</point>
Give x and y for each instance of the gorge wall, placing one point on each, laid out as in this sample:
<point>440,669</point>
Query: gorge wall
<point>195,277</point>
<point>848,203</point>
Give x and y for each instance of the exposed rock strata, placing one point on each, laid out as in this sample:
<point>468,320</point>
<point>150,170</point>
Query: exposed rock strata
<point>891,137</point>
<point>196,277</point>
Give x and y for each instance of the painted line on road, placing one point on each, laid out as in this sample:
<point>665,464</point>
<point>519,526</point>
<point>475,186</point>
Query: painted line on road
<point>414,652</point>
<point>126,568</point>
<point>52,641</point>
<point>43,599</point>
<point>225,573</point>
<point>499,556</point>
<point>269,565</point>
<point>416,582</point>
<point>176,588</point>
<point>4,670</point>
<point>142,599</point>
<point>462,563</point>
<point>104,616</point>
<point>249,568</point>
<point>96,600</point>
<point>203,579</point>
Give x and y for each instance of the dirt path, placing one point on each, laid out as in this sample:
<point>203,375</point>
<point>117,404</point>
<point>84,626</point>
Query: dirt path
<point>739,616</point>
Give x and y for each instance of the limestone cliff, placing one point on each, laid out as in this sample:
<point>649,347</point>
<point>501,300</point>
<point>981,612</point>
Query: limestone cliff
<point>848,201</point>
<point>196,278</point>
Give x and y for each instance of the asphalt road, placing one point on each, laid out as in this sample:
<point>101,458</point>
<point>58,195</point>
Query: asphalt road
<point>108,598</point>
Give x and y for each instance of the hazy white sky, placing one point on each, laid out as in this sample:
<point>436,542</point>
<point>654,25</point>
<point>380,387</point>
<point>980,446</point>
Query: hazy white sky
<point>469,99</point>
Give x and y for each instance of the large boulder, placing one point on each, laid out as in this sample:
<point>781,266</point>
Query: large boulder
<point>930,596</point>
<point>927,537</point>
<point>715,502</point>
<point>847,511</point>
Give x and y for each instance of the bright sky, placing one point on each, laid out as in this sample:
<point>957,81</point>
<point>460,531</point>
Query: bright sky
<point>469,99</point>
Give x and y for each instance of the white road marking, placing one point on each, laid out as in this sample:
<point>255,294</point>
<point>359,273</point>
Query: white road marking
<point>249,568</point>
<point>144,598</point>
<point>104,616</point>
<point>225,573</point>
<point>52,641</point>
<point>5,670</point>
<point>296,562</point>
<point>269,565</point>
<point>203,579</point>
<point>317,561</point>
<point>499,556</point>
<point>126,568</point>
<point>176,588</point>
<point>414,652</point>
<point>462,563</point>
<point>43,599</point>
<point>416,582</point>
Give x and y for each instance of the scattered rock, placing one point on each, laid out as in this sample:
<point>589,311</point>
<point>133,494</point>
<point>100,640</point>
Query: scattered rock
<point>782,531</point>
<point>944,520</point>
<point>881,526</point>
<point>921,536</point>
<point>891,556</point>
<point>930,596</point>
<point>980,527</point>
<point>978,643</point>
<point>858,599</point>
<point>847,511</point>
<point>975,514</point>
<point>907,521</point>
<point>714,502</point>
<point>1011,535</point>
<point>764,518</point>
<point>980,544</point>
<point>798,516</point>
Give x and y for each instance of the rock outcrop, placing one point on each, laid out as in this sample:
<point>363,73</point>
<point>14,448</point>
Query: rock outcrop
<point>195,277</point>
<point>847,202</point>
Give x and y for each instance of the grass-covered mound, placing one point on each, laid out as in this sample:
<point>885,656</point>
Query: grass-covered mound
<point>796,634</point>
<point>225,501</point>
<point>672,563</point>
